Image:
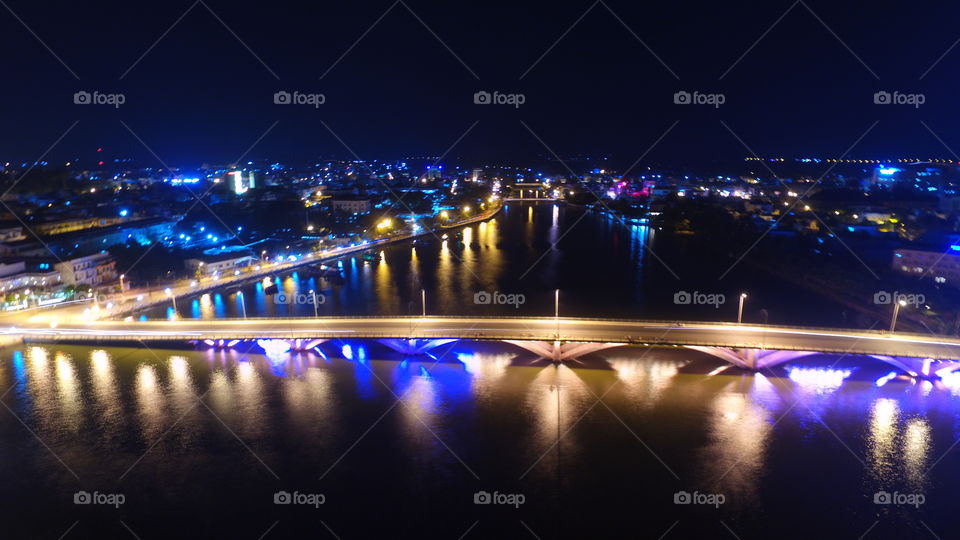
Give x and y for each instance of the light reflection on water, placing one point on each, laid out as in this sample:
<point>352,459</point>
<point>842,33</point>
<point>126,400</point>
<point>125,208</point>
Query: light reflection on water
<point>150,401</point>
<point>898,446</point>
<point>734,434</point>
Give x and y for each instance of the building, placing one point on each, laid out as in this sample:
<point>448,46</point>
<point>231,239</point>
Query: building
<point>942,267</point>
<point>18,276</point>
<point>220,264</point>
<point>352,206</point>
<point>72,225</point>
<point>143,231</point>
<point>93,270</point>
<point>11,233</point>
<point>240,183</point>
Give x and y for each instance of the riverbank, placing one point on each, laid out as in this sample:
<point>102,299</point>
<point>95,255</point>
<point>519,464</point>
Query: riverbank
<point>136,301</point>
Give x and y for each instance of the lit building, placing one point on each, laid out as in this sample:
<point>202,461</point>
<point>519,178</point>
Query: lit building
<point>241,184</point>
<point>352,206</point>
<point>221,263</point>
<point>142,231</point>
<point>93,270</point>
<point>15,277</point>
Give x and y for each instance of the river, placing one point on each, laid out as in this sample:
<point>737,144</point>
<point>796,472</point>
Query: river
<point>481,440</point>
<point>602,268</point>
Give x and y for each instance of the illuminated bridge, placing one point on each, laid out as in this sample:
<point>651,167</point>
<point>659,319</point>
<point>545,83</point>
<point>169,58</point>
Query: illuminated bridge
<point>558,339</point>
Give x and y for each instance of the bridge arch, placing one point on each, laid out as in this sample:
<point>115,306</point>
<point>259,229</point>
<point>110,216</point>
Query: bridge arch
<point>754,359</point>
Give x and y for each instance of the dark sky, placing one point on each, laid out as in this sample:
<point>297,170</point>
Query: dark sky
<point>201,96</point>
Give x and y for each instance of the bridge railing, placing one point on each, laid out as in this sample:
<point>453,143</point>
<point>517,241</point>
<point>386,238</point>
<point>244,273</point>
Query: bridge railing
<point>545,318</point>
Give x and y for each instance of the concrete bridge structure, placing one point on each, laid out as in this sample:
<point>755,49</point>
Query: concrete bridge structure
<point>558,339</point>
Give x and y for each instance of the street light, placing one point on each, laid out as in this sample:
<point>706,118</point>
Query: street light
<point>896,311</point>
<point>169,292</point>
<point>556,309</point>
<point>243,304</point>
<point>743,296</point>
<point>121,282</point>
<point>313,296</point>
<point>423,301</point>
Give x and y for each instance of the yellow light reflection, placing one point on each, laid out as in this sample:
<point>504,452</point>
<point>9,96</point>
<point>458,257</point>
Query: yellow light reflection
<point>150,403</point>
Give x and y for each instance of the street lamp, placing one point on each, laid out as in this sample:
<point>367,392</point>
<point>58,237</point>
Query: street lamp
<point>423,302</point>
<point>896,311</point>
<point>743,296</point>
<point>556,309</point>
<point>243,305</point>
<point>121,282</point>
<point>313,296</point>
<point>169,292</point>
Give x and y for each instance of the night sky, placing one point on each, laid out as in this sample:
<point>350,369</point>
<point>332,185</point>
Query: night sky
<point>406,88</point>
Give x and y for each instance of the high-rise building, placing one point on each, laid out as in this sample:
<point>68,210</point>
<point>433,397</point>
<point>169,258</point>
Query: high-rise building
<point>243,184</point>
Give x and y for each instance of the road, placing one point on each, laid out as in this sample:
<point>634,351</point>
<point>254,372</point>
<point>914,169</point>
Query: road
<point>663,333</point>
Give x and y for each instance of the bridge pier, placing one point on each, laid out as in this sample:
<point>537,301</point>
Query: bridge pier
<point>758,359</point>
<point>281,346</point>
<point>921,368</point>
<point>414,347</point>
<point>752,359</point>
<point>558,351</point>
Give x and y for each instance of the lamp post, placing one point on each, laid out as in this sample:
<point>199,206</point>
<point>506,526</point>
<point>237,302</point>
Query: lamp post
<point>423,302</point>
<point>743,296</point>
<point>169,292</point>
<point>896,311</point>
<point>313,297</point>
<point>121,282</point>
<point>243,305</point>
<point>556,309</point>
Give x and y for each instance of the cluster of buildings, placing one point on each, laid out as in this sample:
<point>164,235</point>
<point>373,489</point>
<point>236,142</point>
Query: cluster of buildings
<point>58,240</point>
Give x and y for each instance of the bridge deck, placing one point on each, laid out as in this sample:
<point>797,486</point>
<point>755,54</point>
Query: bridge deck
<point>706,334</point>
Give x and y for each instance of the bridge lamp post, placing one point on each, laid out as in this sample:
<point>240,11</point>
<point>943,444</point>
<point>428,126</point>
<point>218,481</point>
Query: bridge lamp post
<point>243,305</point>
<point>423,302</point>
<point>313,296</point>
<point>169,292</point>
<point>896,311</point>
<point>743,296</point>
<point>556,309</point>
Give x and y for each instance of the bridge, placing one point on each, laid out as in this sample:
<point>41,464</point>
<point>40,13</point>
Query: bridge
<point>560,338</point>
